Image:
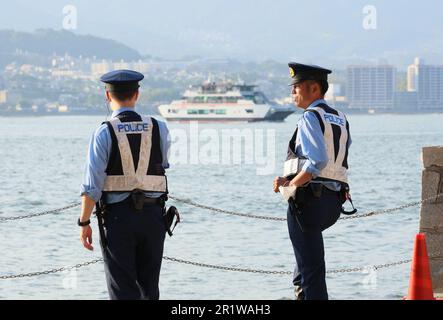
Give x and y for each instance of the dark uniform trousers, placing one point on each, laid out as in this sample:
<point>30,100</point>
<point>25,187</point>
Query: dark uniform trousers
<point>305,230</point>
<point>134,252</point>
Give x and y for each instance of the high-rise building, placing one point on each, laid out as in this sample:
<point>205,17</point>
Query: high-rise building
<point>412,76</point>
<point>427,81</point>
<point>3,96</point>
<point>370,87</point>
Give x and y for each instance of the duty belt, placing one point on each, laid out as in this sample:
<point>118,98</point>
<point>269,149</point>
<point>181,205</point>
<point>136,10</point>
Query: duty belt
<point>139,200</point>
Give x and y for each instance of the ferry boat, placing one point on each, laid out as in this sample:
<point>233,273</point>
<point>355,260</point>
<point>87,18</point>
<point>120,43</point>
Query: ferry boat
<point>224,102</point>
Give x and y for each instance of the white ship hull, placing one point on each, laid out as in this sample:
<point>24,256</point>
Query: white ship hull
<point>224,102</point>
<point>224,112</point>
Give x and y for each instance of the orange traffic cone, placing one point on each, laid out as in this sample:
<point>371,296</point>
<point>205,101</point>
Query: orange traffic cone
<point>420,282</point>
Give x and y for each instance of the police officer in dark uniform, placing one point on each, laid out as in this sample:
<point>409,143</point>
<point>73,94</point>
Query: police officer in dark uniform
<point>316,168</point>
<point>125,175</point>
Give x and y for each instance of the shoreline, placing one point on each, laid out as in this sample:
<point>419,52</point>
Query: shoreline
<point>70,114</point>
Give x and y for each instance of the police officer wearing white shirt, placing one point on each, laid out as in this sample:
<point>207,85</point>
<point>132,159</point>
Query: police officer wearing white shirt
<point>125,172</point>
<point>316,164</point>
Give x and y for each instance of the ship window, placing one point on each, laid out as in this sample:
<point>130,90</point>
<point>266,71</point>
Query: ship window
<point>198,100</point>
<point>259,98</point>
<point>231,99</point>
<point>212,111</point>
<point>203,111</point>
<point>215,99</point>
<point>192,111</point>
<point>249,111</point>
<point>223,111</point>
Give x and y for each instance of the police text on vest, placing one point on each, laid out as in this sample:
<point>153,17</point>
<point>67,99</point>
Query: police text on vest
<point>334,119</point>
<point>132,127</point>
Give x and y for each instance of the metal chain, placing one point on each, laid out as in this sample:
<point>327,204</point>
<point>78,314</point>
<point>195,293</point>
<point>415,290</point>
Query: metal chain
<point>225,268</point>
<point>39,273</point>
<point>369,214</point>
<point>332,271</point>
<point>375,267</point>
<point>233,213</point>
<point>217,267</point>
<point>194,204</point>
<point>392,210</point>
<point>5,219</point>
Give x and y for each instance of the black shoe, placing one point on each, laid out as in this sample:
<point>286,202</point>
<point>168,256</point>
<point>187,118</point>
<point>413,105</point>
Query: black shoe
<point>299,294</point>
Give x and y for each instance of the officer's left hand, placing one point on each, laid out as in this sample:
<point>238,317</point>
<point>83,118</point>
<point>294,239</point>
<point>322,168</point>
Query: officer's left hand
<point>279,181</point>
<point>86,237</point>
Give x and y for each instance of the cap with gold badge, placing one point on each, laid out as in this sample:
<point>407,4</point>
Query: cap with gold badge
<point>301,72</point>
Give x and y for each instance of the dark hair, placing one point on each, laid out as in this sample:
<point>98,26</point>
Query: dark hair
<point>323,84</point>
<point>123,95</point>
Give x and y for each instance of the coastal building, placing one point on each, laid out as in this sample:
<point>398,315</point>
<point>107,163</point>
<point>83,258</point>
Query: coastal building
<point>3,96</point>
<point>427,82</point>
<point>121,65</point>
<point>140,66</point>
<point>406,101</point>
<point>100,68</point>
<point>370,87</point>
<point>335,98</point>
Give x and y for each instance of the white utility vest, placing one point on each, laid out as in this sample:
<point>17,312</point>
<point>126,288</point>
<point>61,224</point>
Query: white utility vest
<point>134,179</point>
<point>336,134</point>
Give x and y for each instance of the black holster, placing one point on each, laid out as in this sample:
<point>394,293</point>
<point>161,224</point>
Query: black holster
<point>100,212</point>
<point>345,196</point>
<point>297,204</point>
<point>139,200</point>
<point>169,215</point>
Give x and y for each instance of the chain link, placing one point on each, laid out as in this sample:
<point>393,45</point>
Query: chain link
<point>201,206</point>
<point>332,271</point>
<point>5,219</point>
<point>374,267</point>
<point>39,273</point>
<point>217,267</point>
<point>233,213</point>
<point>392,210</point>
<point>225,268</point>
<point>369,214</point>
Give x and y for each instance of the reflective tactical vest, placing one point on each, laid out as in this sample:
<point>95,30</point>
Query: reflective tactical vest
<point>135,162</point>
<point>335,130</point>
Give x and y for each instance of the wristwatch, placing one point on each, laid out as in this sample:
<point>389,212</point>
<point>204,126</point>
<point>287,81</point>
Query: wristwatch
<point>84,223</point>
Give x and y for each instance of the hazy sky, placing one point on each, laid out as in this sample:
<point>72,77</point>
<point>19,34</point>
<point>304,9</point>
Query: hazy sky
<point>250,29</point>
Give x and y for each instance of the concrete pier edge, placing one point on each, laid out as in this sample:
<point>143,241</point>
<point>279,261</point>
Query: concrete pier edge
<point>431,214</point>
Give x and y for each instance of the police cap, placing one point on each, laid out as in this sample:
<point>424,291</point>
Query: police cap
<point>122,80</point>
<point>301,72</point>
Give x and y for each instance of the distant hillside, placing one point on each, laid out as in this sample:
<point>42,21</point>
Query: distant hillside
<point>44,42</point>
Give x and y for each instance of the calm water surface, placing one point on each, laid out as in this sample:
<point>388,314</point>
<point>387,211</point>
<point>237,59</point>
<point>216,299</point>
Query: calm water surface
<point>42,162</point>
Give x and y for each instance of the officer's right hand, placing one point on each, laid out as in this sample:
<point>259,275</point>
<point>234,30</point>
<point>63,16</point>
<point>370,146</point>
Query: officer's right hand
<point>86,237</point>
<point>279,181</point>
